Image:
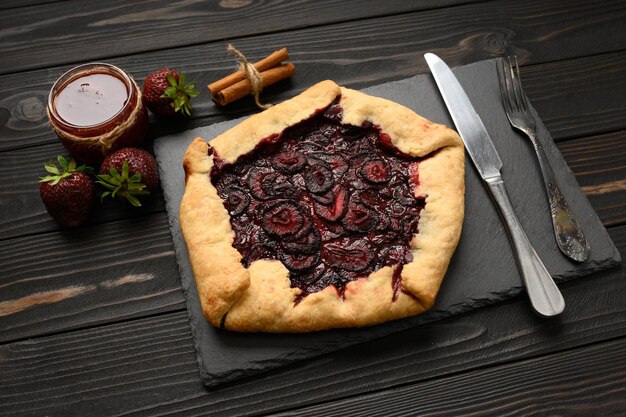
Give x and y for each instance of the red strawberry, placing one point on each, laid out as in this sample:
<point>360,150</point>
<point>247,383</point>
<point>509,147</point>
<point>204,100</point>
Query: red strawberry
<point>166,93</point>
<point>128,173</point>
<point>68,193</point>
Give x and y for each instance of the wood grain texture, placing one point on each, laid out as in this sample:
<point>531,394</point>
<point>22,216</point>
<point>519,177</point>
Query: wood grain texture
<point>76,278</point>
<point>585,381</point>
<point>148,366</point>
<point>601,167</point>
<point>21,210</point>
<point>104,304</point>
<point>11,4</point>
<point>382,50</point>
<point>90,30</point>
<point>569,95</point>
<point>597,161</point>
<point>602,156</point>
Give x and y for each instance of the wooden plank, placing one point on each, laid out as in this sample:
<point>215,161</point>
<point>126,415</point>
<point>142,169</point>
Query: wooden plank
<point>90,30</point>
<point>76,278</point>
<point>571,96</point>
<point>10,4</point>
<point>148,366</point>
<point>578,97</point>
<point>591,380</point>
<point>599,163</point>
<point>74,298</point>
<point>23,211</point>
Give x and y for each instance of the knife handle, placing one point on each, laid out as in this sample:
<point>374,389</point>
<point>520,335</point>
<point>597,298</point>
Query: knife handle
<point>545,297</point>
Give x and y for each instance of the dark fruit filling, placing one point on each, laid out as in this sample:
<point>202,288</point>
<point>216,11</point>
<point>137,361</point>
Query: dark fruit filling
<point>283,219</point>
<point>375,171</point>
<point>236,201</point>
<point>332,202</point>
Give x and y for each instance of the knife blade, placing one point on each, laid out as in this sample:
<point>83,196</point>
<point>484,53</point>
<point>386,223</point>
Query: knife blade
<point>544,295</point>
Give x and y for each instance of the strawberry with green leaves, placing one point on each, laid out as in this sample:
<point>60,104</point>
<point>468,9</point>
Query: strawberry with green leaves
<point>129,174</point>
<point>67,192</point>
<point>167,94</point>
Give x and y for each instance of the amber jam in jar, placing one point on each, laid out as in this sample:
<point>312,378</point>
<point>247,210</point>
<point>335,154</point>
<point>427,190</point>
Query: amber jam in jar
<point>97,108</point>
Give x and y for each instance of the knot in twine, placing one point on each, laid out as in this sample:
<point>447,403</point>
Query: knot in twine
<point>252,75</point>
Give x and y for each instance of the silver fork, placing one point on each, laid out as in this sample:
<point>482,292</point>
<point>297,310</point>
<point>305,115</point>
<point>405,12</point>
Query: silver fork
<point>569,236</point>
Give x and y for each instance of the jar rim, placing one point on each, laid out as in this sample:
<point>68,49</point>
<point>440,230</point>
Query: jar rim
<point>72,73</point>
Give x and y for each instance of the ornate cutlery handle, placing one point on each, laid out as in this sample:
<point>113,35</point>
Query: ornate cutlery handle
<point>569,236</point>
<point>545,297</point>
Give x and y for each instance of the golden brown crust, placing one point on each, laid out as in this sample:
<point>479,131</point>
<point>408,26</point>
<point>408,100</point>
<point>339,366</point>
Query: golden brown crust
<point>260,298</point>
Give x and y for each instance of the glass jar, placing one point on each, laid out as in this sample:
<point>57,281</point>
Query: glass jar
<point>95,109</point>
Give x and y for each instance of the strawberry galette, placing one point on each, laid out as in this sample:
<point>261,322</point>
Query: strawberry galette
<point>332,209</point>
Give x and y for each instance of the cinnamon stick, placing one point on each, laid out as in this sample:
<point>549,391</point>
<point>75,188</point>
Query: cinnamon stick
<point>265,64</point>
<point>243,87</point>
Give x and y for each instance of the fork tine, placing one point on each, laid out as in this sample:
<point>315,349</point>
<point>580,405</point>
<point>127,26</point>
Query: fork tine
<point>521,88</point>
<point>511,84</point>
<point>504,91</point>
<point>517,87</point>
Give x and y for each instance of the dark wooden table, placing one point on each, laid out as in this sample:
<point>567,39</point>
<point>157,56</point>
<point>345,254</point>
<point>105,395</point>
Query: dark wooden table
<point>93,320</point>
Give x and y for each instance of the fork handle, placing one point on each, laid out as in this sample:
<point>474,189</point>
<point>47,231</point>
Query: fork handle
<point>545,297</point>
<point>569,236</point>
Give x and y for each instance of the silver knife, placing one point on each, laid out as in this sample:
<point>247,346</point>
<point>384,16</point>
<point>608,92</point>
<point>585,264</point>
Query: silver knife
<point>545,297</point>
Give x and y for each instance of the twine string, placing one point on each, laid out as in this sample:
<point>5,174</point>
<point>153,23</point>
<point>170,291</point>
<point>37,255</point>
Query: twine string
<point>252,75</point>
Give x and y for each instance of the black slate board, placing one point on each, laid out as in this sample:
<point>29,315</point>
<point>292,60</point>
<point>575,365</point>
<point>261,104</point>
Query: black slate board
<point>482,271</point>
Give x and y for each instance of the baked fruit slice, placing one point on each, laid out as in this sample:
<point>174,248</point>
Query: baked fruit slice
<point>332,209</point>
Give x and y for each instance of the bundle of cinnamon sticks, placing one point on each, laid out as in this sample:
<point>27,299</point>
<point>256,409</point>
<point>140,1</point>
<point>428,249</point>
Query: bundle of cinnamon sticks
<point>236,85</point>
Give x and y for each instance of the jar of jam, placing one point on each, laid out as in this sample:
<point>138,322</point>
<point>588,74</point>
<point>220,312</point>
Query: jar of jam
<point>95,109</point>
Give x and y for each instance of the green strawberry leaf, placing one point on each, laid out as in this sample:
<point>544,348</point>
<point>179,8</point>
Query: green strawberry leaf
<point>52,168</point>
<point>172,80</point>
<point>180,92</point>
<point>63,163</point>
<point>133,200</point>
<point>72,165</point>
<point>66,170</point>
<point>85,169</point>
<point>122,185</point>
